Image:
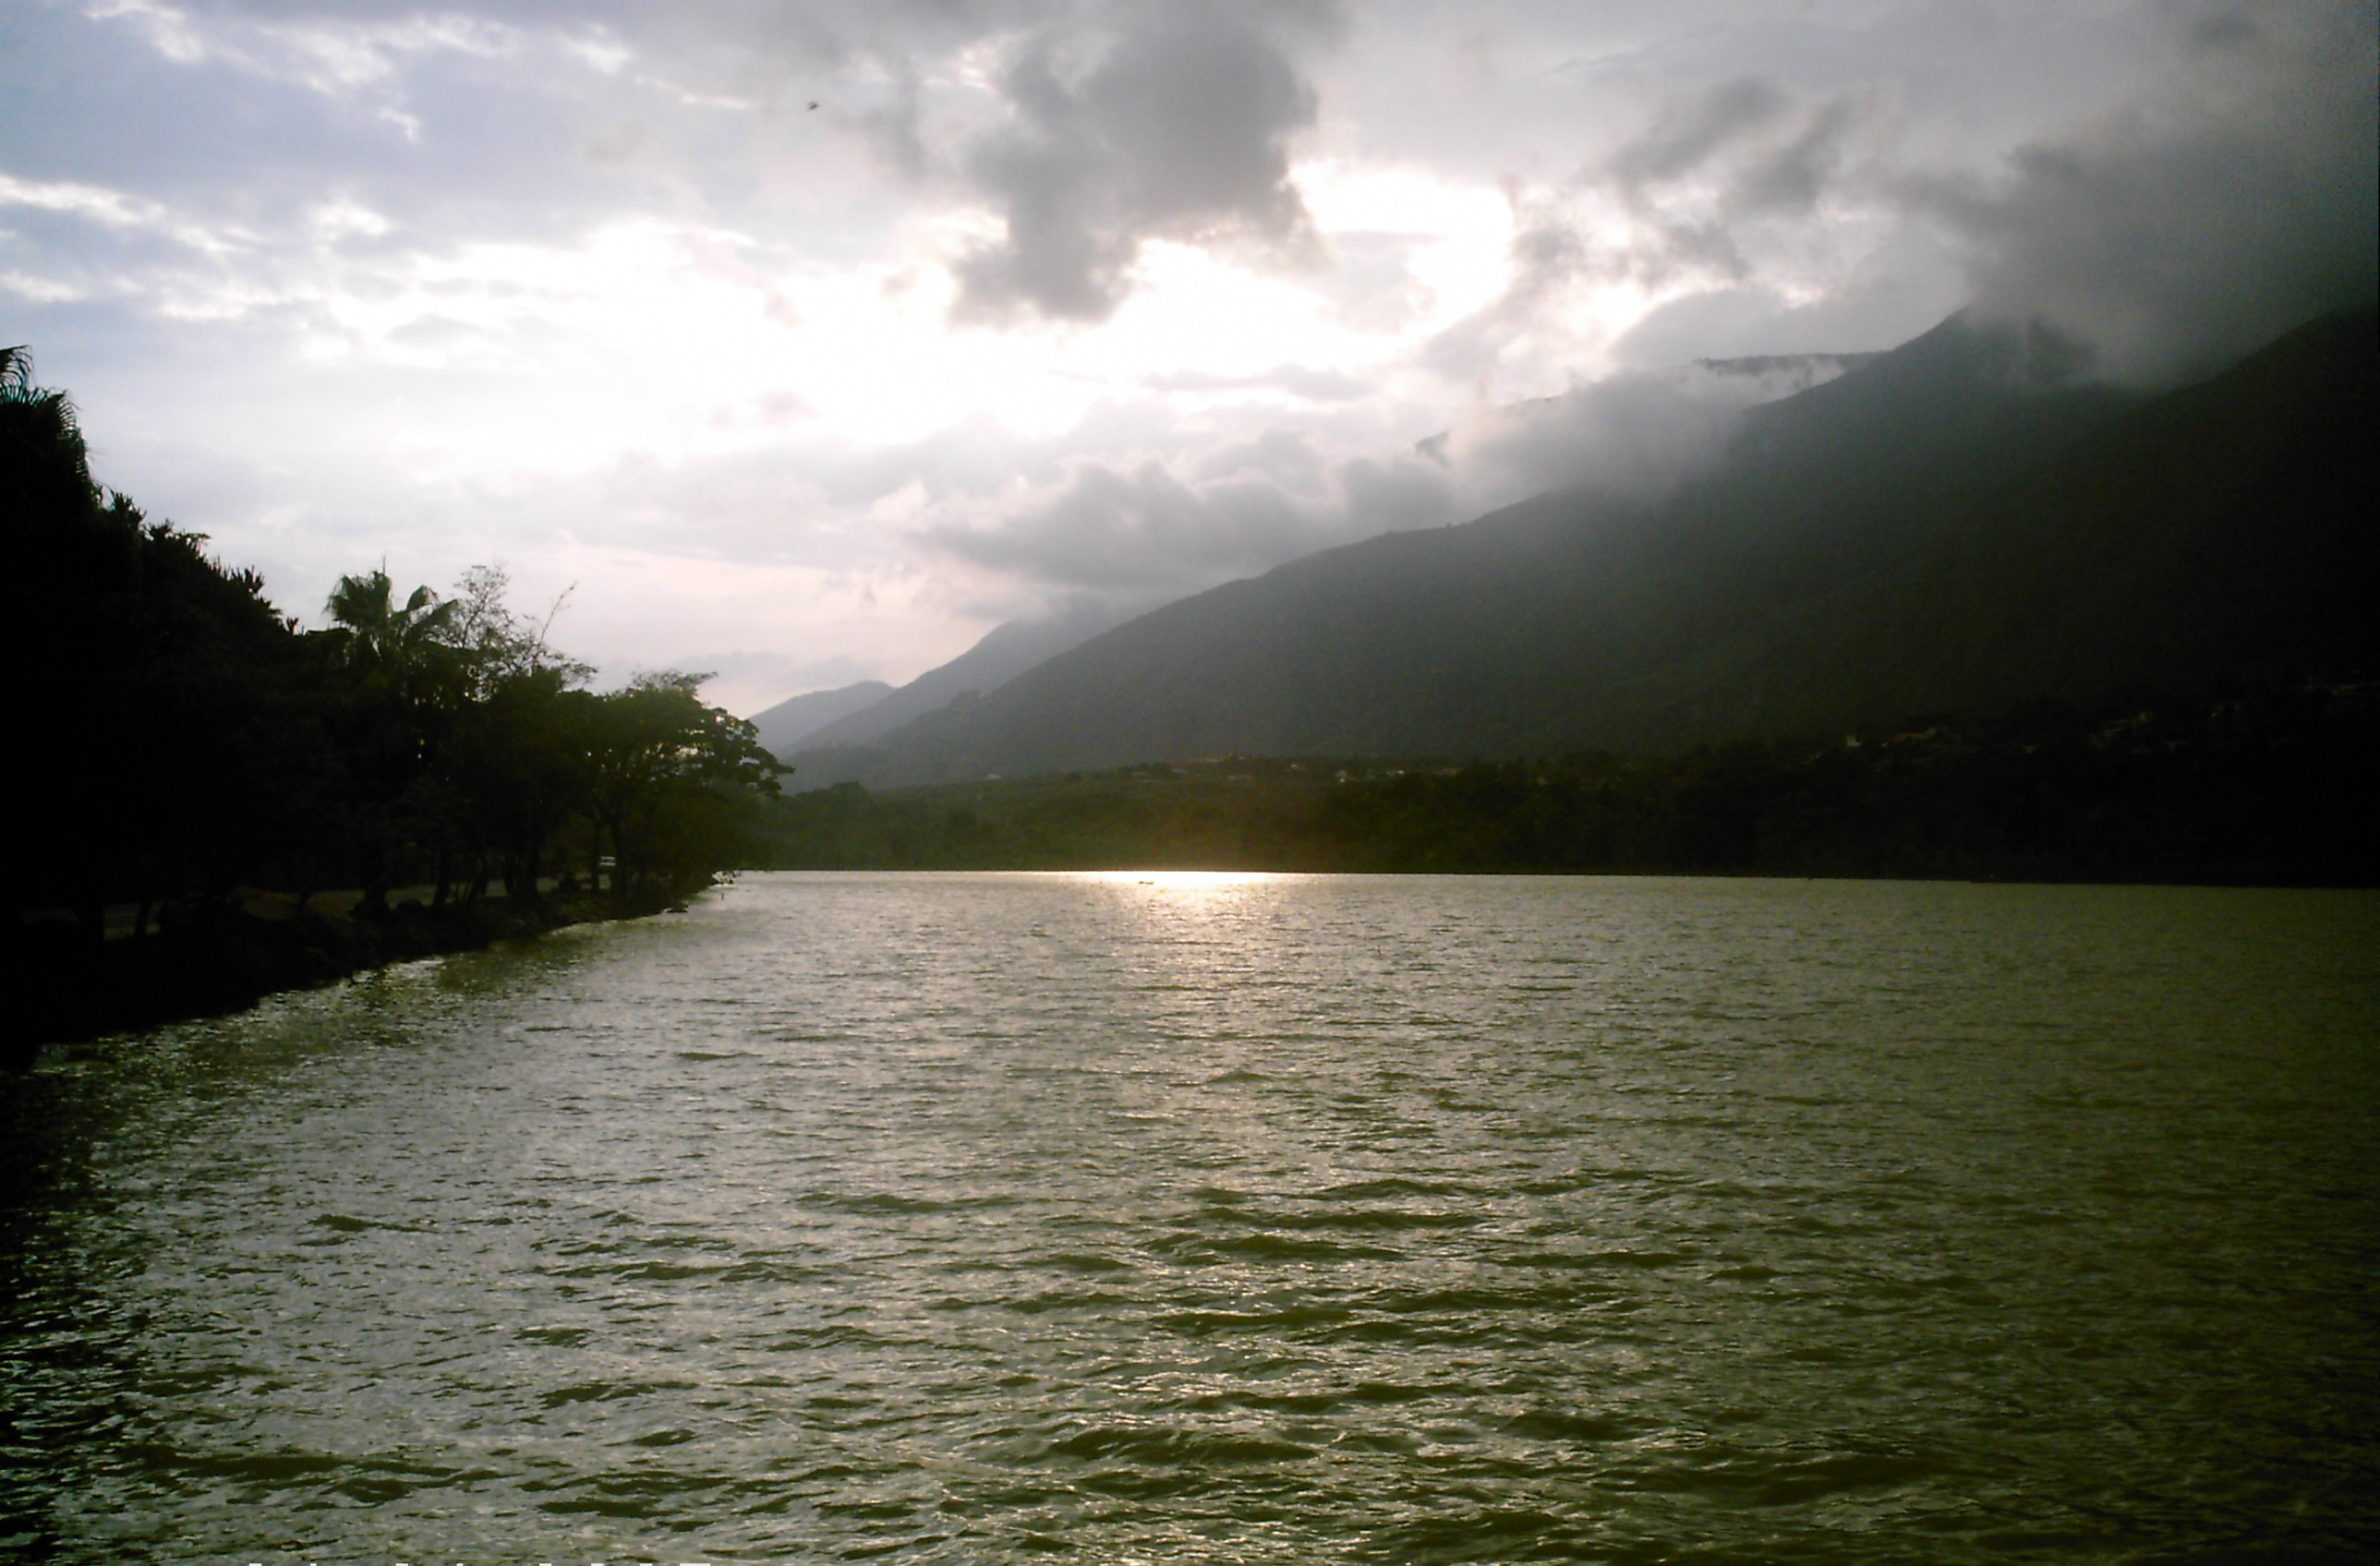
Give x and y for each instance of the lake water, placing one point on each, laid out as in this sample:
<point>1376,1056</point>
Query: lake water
<point>1249,1218</point>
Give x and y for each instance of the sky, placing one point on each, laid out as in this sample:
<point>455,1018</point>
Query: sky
<point>803,341</point>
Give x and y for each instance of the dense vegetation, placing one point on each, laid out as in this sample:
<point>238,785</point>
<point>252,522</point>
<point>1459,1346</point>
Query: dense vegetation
<point>2255,783</point>
<point>180,739</point>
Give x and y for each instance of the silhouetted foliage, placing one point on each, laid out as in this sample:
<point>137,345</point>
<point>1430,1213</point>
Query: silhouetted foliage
<point>664,771</point>
<point>180,739</point>
<point>2250,783</point>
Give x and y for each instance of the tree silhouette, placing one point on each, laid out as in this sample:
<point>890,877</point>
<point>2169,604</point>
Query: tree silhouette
<point>664,769</point>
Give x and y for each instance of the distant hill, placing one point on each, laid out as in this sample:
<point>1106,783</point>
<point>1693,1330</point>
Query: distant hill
<point>791,721</point>
<point>1005,651</point>
<point>1943,527</point>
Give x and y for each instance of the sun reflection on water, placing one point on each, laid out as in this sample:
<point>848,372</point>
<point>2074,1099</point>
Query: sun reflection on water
<point>1184,881</point>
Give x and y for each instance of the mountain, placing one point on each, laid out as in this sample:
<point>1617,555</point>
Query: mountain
<point>1760,379</point>
<point>2217,534</point>
<point>1005,651</point>
<point>1952,526</point>
<point>791,721</point>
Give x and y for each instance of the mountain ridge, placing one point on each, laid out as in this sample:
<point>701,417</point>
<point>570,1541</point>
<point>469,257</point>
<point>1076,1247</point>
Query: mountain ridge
<point>1003,652</point>
<point>793,720</point>
<point>1863,552</point>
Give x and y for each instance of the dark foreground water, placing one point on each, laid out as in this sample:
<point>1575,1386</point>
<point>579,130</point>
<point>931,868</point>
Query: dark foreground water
<point>985,1218</point>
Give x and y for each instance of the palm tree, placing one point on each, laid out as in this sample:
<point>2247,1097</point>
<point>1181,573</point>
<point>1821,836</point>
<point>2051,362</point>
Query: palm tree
<point>43,465</point>
<point>397,645</point>
<point>411,679</point>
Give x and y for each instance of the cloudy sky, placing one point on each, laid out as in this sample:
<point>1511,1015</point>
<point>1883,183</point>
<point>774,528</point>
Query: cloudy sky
<point>804,340</point>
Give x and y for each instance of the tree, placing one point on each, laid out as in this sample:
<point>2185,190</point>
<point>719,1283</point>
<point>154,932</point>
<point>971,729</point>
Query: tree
<point>405,682</point>
<point>160,745</point>
<point>510,762</point>
<point>668,775</point>
<point>410,650</point>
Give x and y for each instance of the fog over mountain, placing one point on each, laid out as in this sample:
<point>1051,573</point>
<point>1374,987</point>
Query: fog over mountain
<point>2234,201</point>
<point>1644,433</point>
<point>1641,433</point>
<point>2143,249</point>
<point>1962,524</point>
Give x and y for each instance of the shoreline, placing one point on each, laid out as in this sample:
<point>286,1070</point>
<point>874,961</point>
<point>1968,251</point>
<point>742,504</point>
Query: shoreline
<point>230,958</point>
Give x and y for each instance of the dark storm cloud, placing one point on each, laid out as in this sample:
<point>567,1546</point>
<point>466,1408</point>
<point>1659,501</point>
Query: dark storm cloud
<point>1103,125</point>
<point>1113,122</point>
<point>2236,205</point>
<point>1791,178</point>
<point>1158,122</point>
<point>2225,193</point>
<point>1726,163</point>
<point>1686,136</point>
<point>1714,174</point>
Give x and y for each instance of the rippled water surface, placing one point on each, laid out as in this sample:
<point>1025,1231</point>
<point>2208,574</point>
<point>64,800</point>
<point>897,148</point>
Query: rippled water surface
<point>990,1218</point>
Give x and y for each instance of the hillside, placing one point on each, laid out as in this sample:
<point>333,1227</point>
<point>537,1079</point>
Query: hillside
<point>1004,653</point>
<point>1942,528</point>
<point>792,722</point>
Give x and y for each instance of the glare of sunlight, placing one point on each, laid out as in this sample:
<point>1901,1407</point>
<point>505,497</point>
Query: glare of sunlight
<point>1195,884</point>
<point>1192,310</point>
<point>1461,235</point>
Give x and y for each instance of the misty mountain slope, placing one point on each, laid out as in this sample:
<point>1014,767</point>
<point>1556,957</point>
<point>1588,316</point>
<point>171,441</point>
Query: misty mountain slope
<point>2224,530</point>
<point>1827,496</point>
<point>793,720</point>
<point>1005,651</point>
<point>1928,532</point>
<point>1265,663</point>
<point>2218,533</point>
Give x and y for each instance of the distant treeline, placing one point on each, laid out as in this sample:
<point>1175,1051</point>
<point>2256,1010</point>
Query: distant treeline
<point>2252,785</point>
<point>177,736</point>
